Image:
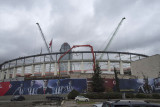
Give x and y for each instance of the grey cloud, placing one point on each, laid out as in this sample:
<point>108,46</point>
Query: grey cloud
<point>64,23</point>
<point>19,42</point>
<point>112,8</point>
<point>19,4</point>
<point>140,31</point>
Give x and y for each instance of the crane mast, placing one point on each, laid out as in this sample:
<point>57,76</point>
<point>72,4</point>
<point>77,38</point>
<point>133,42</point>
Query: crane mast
<point>43,37</point>
<point>115,32</point>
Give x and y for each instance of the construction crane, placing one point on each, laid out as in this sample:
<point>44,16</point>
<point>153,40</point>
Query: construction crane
<point>43,37</point>
<point>115,32</point>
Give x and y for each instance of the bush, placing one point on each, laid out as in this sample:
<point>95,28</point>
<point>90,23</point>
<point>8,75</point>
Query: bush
<point>103,95</point>
<point>130,95</point>
<point>148,96</point>
<point>114,95</point>
<point>140,95</point>
<point>156,96</point>
<point>73,94</point>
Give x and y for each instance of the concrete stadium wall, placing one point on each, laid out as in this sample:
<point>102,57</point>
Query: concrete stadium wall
<point>107,76</point>
<point>150,67</point>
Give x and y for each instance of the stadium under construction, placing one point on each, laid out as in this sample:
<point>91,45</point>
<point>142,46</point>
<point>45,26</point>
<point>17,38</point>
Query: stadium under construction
<point>74,69</point>
<point>73,63</point>
<point>61,72</point>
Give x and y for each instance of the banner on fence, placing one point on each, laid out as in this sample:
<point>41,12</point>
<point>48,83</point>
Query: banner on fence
<point>63,86</point>
<point>51,86</point>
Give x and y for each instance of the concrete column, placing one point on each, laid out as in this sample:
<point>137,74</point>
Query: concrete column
<point>2,75</point>
<point>55,68</point>
<point>7,74</point>
<point>43,69</point>
<point>33,69</point>
<point>69,65</point>
<point>121,67</point>
<point>109,66</point>
<point>14,72</point>
<point>23,70</point>
<point>82,67</point>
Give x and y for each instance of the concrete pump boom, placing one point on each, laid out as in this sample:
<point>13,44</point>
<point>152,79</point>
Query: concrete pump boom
<point>43,37</point>
<point>75,46</point>
<point>115,32</point>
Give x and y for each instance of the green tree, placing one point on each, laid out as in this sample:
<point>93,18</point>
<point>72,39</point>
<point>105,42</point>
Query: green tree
<point>73,94</point>
<point>117,80</point>
<point>97,81</point>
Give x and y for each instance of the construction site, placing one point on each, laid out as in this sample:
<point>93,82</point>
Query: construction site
<point>74,69</point>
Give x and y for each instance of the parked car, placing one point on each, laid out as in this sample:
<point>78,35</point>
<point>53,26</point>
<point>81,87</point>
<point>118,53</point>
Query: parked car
<point>17,98</point>
<point>129,103</point>
<point>81,98</point>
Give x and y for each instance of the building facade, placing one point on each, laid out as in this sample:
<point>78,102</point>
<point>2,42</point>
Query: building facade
<point>146,68</point>
<point>65,66</point>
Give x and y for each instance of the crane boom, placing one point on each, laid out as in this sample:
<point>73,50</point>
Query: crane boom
<point>43,37</point>
<point>115,32</point>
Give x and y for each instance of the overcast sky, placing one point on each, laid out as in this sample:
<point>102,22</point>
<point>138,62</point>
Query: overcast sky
<point>78,22</point>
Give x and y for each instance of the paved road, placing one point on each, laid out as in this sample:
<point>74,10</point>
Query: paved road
<point>69,103</point>
<point>72,103</point>
<point>45,103</point>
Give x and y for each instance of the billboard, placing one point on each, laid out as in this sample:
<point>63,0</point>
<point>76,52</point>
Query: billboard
<point>63,86</point>
<point>51,86</point>
<point>141,85</point>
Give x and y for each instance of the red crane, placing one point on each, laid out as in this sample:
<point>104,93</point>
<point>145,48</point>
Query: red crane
<point>75,46</point>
